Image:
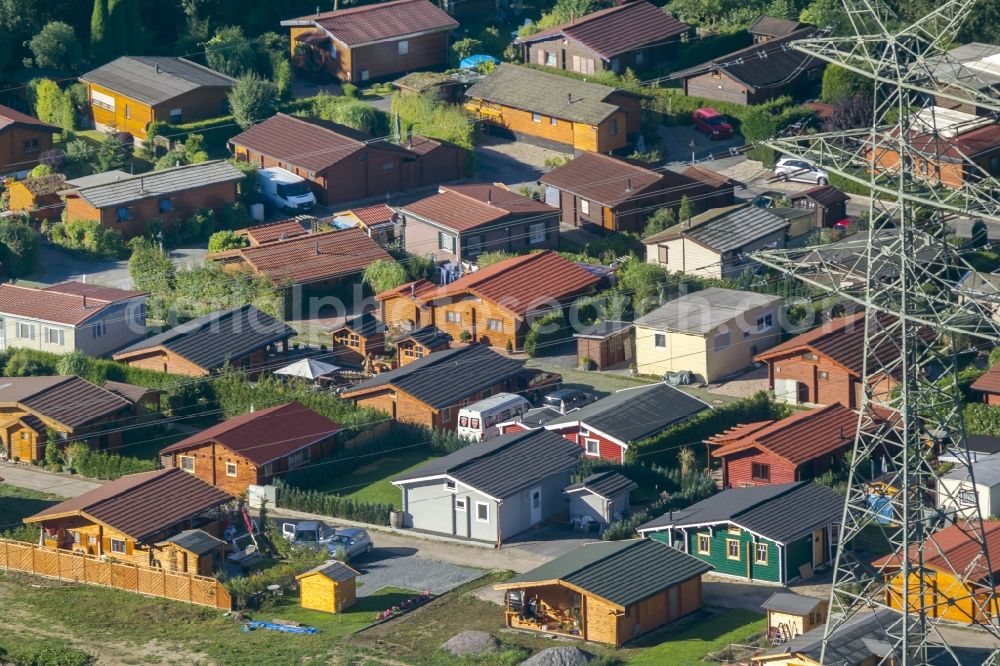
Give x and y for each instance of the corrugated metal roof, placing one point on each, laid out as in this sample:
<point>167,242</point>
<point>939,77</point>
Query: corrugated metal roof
<point>213,339</point>
<point>155,79</point>
<point>428,336</point>
<point>549,94</point>
<point>986,468</point>
<point>603,329</point>
<point>445,378</point>
<point>616,30</point>
<point>632,414</point>
<point>622,572</point>
<point>780,66</point>
<point>504,465</point>
<point>9,116</point>
<point>851,642</point>
<point>143,505</point>
<point>315,257</point>
<point>71,401</point>
<point>266,435</point>
<point>380,22</point>
<point>606,484</point>
<point>602,178</point>
<point>736,228</point>
<point>160,183</point>
<point>61,304</point>
<point>703,311</point>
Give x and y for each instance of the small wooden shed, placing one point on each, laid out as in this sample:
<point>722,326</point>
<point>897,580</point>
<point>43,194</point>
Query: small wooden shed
<point>605,344</point>
<point>38,196</point>
<point>790,615</point>
<point>192,551</point>
<point>330,587</point>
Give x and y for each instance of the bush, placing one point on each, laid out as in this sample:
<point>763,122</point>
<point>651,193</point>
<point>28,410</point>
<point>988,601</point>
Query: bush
<point>427,115</point>
<point>243,588</point>
<point>89,238</point>
<point>18,247</point>
<point>545,330</point>
<point>221,241</point>
<point>350,90</point>
<point>47,655</point>
<point>350,112</point>
<point>101,465</point>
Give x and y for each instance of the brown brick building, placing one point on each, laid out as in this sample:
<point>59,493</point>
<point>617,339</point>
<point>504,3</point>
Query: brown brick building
<point>253,448</point>
<point>171,195</point>
<point>23,139</point>
<point>371,41</point>
<point>343,164</point>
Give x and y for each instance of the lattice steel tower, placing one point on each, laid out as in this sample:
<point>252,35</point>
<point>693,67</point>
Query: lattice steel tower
<point>920,314</point>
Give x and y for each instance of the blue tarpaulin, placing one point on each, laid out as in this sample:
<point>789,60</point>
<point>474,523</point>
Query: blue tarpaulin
<point>473,61</point>
<point>250,626</point>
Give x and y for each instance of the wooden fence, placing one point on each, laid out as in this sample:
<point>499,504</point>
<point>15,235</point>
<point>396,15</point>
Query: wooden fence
<point>92,570</point>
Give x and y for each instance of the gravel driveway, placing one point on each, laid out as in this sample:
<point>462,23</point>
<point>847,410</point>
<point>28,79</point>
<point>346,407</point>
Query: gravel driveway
<point>401,567</point>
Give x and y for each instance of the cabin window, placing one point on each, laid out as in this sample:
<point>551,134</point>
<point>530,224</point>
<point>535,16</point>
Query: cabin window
<point>474,245</point>
<point>553,121</point>
<point>166,205</point>
<point>364,75</point>
<point>31,146</point>
<point>810,357</point>
<point>536,117</point>
<point>663,254</point>
<point>102,100</point>
<point>118,546</point>
<point>482,512</point>
<point>760,553</point>
<point>593,447</point>
<point>25,434</point>
<point>550,59</point>
<point>716,74</point>
<point>536,232</point>
<point>459,504</point>
<point>495,325</point>
<point>660,340</point>
<point>613,127</point>
<point>453,317</point>
<point>230,469</point>
<point>449,485</point>
<point>403,47</point>
<point>25,331</point>
<point>446,242</point>
<point>760,472</point>
<point>640,58</point>
<point>732,549</point>
<point>721,341</point>
<point>967,497</point>
<point>704,544</point>
<point>122,213</point>
<point>388,166</point>
<point>734,529</point>
<point>55,336</point>
<point>128,111</point>
<point>823,374</point>
<point>176,115</point>
<point>765,323</point>
<point>187,463</point>
<point>446,415</point>
<point>584,206</point>
<point>298,458</point>
<point>98,329</point>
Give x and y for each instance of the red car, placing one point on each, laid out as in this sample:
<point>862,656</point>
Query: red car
<point>712,123</point>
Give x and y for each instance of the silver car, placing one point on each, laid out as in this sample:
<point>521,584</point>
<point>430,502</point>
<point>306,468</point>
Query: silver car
<point>798,170</point>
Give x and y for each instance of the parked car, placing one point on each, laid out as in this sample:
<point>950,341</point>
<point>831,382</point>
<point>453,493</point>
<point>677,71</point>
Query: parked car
<point>712,123</point>
<point>769,199</point>
<point>309,533</point>
<point>798,170</point>
<point>353,540</point>
<point>566,400</point>
<point>284,190</point>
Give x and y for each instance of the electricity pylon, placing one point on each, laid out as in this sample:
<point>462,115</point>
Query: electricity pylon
<point>922,312</point>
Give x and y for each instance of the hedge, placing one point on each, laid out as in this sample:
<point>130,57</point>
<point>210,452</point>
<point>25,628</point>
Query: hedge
<point>105,466</point>
<point>694,488</point>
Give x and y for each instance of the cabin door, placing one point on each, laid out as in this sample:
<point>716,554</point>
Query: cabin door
<point>819,548</point>
<point>535,497</point>
<point>674,597</point>
<point>608,219</point>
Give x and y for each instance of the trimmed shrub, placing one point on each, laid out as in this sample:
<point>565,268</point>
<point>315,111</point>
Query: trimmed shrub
<point>544,330</point>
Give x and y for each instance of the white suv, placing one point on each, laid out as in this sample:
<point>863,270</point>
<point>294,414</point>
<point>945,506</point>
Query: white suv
<point>793,168</point>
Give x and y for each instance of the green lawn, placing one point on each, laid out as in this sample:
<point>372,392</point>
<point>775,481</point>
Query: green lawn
<point>17,503</point>
<point>372,482</point>
<point>703,636</point>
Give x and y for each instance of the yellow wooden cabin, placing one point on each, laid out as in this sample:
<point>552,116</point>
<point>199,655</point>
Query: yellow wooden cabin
<point>330,587</point>
<point>38,196</point>
<point>790,615</point>
<point>191,551</point>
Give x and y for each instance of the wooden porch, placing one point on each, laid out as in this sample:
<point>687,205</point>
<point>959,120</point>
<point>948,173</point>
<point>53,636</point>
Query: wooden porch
<point>550,609</point>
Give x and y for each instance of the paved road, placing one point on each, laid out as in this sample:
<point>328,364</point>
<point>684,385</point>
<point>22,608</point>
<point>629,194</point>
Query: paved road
<point>64,485</point>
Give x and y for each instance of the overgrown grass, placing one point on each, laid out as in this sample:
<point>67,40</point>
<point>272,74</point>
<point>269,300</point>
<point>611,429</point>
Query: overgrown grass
<point>703,636</point>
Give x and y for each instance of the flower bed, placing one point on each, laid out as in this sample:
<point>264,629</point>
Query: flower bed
<point>402,607</point>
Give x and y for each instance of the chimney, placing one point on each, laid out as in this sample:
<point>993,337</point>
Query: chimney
<point>413,290</point>
<point>489,197</point>
<point>317,248</point>
<point>569,97</point>
<point>628,185</point>
<point>157,68</point>
<point>85,301</point>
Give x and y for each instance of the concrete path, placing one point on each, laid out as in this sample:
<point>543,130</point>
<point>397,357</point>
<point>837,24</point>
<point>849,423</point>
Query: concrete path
<point>64,485</point>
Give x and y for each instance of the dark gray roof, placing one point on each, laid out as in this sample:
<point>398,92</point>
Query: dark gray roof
<point>782,512</point>
<point>737,228</point>
<point>703,311</point>
<point>428,336</point>
<point>335,571</point>
<point>211,340</point>
<point>602,329</point>
<point>986,469</point>
<point>160,183</point>
<point>972,64</point>
<point>606,484</point>
<point>502,466</point>
<point>782,64</point>
<point>69,400</point>
<point>365,324</point>
<point>771,26</point>
<point>137,77</point>
<point>549,94</point>
<point>791,603</point>
<point>539,416</point>
<point>622,572</point>
<point>444,378</point>
<point>198,542</point>
<point>635,413</point>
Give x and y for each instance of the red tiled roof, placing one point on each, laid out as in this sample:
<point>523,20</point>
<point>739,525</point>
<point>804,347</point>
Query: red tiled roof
<point>142,505</point>
<point>373,215</point>
<point>414,289</point>
<point>315,257</point>
<point>380,22</point>
<point>952,550</point>
<point>989,381</point>
<point>267,233</point>
<point>464,207</point>
<point>523,283</point>
<point>601,178</point>
<point>707,176</point>
<point>619,29</point>
<point>68,303</point>
<point>9,116</point>
<point>308,143</point>
<point>798,439</point>
<point>264,436</point>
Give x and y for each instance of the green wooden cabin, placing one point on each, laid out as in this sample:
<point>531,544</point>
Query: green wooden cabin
<point>768,534</point>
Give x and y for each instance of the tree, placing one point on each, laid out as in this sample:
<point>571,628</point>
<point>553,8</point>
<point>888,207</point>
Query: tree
<point>686,209</point>
<point>230,52</point>
<point>18,247</point>
<point>851,113</point>
<point>126,26</point>
<point>102,46</point>
<point>149,267</point>
<point>823,13</point>
<point>115,152</point>
<point>840,84</point>
<point>41,170</point>
<point>661,220</point>
<point>79,158</point>
<point>384,274</point>
<point>65,113</point>
<point>46,93</point>
<point>221,241</point>
<point>352,113</point>
<point>252,100</point>
<point>22,364</point>
<point>56,46</point>
<point>686,458</point>
<point>73,363</point>
<point>463,48</point>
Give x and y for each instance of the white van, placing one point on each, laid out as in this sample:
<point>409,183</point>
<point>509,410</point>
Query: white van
<point>479,420</point>
<point>284,190</point>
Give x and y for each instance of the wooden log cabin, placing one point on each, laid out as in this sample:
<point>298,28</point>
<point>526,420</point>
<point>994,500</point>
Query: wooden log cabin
<point>419,343</point>
<point>606,592</point>
<point>23,139</point>
<point>132,518</point>
<point>38,197</point>
<point>359,338</point>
